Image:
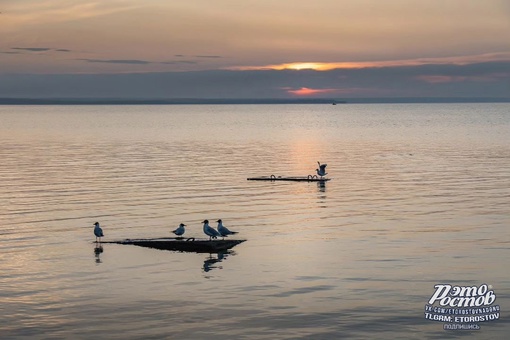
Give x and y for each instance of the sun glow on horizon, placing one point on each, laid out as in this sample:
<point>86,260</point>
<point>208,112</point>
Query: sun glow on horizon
<point>327,66</point>
<point>298,66</point>
<point>303,66</point>
<point>305,91</point>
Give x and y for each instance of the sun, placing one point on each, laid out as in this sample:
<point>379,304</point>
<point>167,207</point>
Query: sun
<point>303,66</point>
<point>298,66</point>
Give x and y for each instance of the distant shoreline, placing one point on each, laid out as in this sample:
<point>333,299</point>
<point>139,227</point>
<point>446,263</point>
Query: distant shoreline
<point>209,101</point>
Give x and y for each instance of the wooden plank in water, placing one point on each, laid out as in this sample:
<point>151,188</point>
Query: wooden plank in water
<point>309,178</point>
<point>185,245</point>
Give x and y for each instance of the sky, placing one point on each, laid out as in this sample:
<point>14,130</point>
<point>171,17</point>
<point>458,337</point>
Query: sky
<point>254,48</point>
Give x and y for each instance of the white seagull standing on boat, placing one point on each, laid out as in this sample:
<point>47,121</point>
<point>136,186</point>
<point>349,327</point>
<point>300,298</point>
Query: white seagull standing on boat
<point>98,231</point>
<point>210,231</point>
<point>322,170</point>
<point>224,230</point>
<point>180,230</point>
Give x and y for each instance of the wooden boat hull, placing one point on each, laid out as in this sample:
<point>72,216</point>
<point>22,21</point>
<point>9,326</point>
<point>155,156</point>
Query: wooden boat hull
<point>183,245</point>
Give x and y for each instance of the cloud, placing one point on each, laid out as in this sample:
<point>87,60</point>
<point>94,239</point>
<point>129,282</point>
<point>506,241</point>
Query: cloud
<point>32,49</point>
<point>146,62</point>
<point>209,56</point>
<point>327,66</point>
<point>39,49</point>
<point>118,61</point>
<point>55,11</point>
<point>333,92</point>
<point>191,62</point>
<point>438,79</point>
<point>490,79</point>
<point>199,56</point>
<point>305,91</point>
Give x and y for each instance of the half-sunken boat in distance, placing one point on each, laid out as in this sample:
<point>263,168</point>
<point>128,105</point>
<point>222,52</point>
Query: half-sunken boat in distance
<point>309,178</point>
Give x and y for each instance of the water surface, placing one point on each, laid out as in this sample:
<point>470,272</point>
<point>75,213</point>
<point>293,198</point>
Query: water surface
<point>419,196</point>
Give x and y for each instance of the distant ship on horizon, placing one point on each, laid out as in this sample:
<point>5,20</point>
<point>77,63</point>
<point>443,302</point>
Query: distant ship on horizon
<point>338,102</point>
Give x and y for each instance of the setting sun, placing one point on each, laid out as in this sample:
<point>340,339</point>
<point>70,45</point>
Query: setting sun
<point>327,66</point>
<point>298,66</point>
<point>303,66</point>
<point>305,91</point>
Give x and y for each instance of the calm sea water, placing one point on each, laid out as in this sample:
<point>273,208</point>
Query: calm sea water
<point>420,195</point>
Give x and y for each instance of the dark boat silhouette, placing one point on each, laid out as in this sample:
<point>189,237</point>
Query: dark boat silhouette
<point>181,244</point>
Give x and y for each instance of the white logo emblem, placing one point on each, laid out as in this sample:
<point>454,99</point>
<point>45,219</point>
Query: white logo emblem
<point>462,307</point>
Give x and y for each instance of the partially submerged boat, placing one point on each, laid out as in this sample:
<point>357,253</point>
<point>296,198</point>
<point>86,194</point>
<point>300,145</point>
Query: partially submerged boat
<point>182,244</point>
<point>309,178</point>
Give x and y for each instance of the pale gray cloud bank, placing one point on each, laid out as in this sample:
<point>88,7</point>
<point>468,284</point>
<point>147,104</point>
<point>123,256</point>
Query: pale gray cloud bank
<point>489,79</point>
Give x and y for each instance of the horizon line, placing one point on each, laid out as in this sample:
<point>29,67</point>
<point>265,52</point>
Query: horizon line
<point>220,101</point>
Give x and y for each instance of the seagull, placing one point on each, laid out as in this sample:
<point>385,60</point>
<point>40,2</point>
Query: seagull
<point>210,231</point>
<point>223,231</point>
<point>180,230</point>
<point>322,170</point>
<point>98,231</point>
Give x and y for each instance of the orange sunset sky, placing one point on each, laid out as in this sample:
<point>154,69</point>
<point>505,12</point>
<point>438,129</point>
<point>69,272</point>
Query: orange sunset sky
<point>42,38</point>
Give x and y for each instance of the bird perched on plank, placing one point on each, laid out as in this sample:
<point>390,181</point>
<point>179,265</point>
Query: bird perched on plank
<point>223,231</point>
<point>98,231</point>
<point>180,230</point>
<point>322,170</point>
<point>210,231</point>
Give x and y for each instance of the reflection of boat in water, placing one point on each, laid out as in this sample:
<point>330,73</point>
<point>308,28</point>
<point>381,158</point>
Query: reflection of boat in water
<point>180,244</point>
